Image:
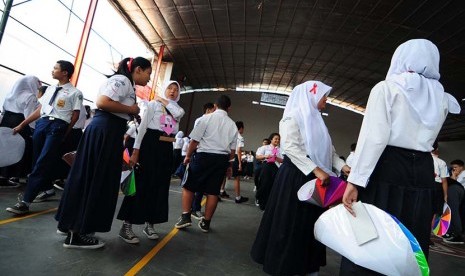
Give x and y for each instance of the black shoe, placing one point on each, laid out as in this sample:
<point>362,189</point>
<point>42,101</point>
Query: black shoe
<point>455,240</point>
<point>5,183</point>
<point>184,221</point>
<point>19,208</point>
<point>197,215</point>
<point>447,237</point>
<point>223,194</point>
<point>204,225</point>
<point>80,241</point>
<point>241,199</point>
<point>44,196</point>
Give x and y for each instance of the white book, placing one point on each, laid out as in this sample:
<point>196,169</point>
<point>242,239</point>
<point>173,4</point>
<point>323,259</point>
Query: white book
<point>362,225</point>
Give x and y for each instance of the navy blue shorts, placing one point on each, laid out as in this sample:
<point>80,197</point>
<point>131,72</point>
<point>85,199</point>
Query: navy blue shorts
<point>206,172</point>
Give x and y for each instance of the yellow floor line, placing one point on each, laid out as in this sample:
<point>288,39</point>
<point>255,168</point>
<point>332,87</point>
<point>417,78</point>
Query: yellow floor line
<point>27,216</point>
<point>146,259</point>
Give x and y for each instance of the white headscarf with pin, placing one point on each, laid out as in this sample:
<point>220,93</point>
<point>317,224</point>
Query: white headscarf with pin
<point>302,106</point>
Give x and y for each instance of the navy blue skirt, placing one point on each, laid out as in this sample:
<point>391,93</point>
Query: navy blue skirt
<point>285,243</point>
<point>91,192</point>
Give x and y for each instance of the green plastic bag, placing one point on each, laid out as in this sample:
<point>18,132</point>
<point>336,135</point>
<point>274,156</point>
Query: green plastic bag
<point>128,183</point>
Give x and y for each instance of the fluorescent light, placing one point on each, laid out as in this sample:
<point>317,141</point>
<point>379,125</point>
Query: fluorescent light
<point>324,114</point>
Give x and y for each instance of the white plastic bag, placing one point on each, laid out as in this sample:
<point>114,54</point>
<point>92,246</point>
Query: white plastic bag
<point>394,252</point>
<point>11,147</point>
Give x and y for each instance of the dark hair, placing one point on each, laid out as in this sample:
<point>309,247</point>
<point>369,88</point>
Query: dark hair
<point>223,102</point>
<point>127,66</point>
<point>42,89</point>
<point>240,124</point>
<point>457,162</point>
<point>272,135</point>
<point>268,141</point>
<point>342,157</point>
<point>207,106</point>
<point>66,66</point>
<point>353,146</point>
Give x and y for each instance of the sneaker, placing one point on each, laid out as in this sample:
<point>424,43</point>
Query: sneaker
<point>241,199</point>
<point>80,241</point>
<point>223,194</point>
<point>59,184</point>
<point>5,183</point>
<point>60,232</point>
<point>455,240</point>
<point>184,221</point>
<point>127,235</point>
<point>44,196</point>
<point>150,232</point>
<point>204,225</point>
<point>19,208</point>
<point>197,215</point>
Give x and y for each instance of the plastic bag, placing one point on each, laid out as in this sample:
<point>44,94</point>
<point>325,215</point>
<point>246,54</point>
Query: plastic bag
<point>128,182</point>
<point>11,146</point>
<point>394,252</point>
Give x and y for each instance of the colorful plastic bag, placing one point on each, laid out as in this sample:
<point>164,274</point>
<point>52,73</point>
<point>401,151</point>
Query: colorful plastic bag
<point>128,183</point>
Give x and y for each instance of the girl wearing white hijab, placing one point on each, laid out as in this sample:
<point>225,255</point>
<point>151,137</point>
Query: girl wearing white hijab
<point>285,244</point>
<point>392,166</point>
<point>19,103</point>
<point>153,151</point>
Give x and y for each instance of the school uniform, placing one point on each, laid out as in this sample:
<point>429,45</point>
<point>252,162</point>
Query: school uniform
<point>131,132</point>
<point>258,168</point>
<point>239,146</point>
<point>19,103</point>
<point>217,135</point>
<point>89,200</point>
<point>150,203</point>
<point>57,106</point>
<point>268,174</point>
<point>177,148</point>
<point>392,167</point>
<point>285,244</point>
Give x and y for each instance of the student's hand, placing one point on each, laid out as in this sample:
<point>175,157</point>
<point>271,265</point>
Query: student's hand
<point>445,198</point>
<point>239,168</point>
<point>134,109</point>
<point>350,196</point>
<point>322,175</point>
<point>187,160</point>
<point>134,159</point>
<point>346,170</point>
<point>17,129</point>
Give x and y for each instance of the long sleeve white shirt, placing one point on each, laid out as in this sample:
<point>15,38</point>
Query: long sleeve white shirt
<point>389,120</point>
<point>294,148</point>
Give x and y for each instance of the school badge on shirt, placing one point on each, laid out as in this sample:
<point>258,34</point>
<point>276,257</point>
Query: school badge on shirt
<point>167,123</point>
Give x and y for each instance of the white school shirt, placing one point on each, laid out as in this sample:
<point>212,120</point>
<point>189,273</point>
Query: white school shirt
<point>294,147</point>
<point>179,143</point>
<point>216,133</point>
<point>81,122</point>
<point>389,120</point>
<point>120,89</point>
<point>239,143</point>
<point>132,131</point>
<point>68,99</point>
<point>185,146</point>
<point>152,115</point>
<point>26,105</point>
<point>350,159</point>
<point>440,169</point>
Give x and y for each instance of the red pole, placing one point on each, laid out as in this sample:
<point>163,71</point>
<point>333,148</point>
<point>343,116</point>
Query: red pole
<point>83,43</point>
<point>157,72</point>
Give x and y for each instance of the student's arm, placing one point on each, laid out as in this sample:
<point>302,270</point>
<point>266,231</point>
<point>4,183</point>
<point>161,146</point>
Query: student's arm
<point>34,116</point>
<point>190,150</point>
<point>107,104</point>
<point>73,121</point>
<point>444,188</point>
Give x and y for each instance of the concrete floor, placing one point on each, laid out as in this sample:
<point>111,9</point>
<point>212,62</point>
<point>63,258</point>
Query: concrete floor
<point>30,246</point>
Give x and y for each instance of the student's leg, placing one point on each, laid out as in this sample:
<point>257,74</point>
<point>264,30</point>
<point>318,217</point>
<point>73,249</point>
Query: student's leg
<point>187,198</point>
<point>210,206</point>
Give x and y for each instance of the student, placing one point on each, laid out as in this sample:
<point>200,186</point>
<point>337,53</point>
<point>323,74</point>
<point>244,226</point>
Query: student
<point>197,202</point>
<point>350,158</point>
<point>153,151</point>
<point>130,137</point>
<point>392,167</point>
<point>285,243</point>
<point>270,154</point>
<point>177,149</point>
<point>258,168</point>
<point>19,103</point>
<point>91,191</point>
<point>58,112</point>
<point>455,195</point>
<point>214,141</point>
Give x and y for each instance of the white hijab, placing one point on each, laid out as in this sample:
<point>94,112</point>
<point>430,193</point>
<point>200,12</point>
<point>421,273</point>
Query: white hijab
<point>302,106</point>
<point>24,88</point>
<point>415,69</point>
<point>166,86</point>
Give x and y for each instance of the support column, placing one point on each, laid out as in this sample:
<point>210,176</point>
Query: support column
<point>157,72</point>
<point>83,43</point>
<point>5,16</point>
